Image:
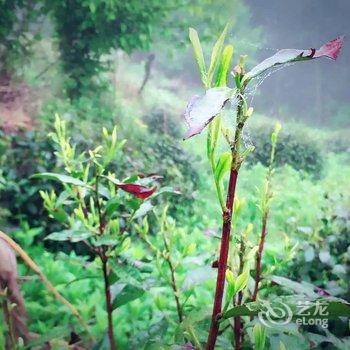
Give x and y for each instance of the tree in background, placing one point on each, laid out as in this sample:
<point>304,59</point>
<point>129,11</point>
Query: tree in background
<point>86,30</point>
<point>16,18</point>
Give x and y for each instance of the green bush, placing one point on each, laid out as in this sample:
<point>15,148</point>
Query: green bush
<point>295,148</point>
<point>164,154</point>
<point>326,249</point>
<point>22,155</point>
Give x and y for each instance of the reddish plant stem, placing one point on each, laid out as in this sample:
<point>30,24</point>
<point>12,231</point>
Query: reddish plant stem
<point>109,305</point>
<point>238,330</point>
<point>224,249</point>
<point>259,255</point>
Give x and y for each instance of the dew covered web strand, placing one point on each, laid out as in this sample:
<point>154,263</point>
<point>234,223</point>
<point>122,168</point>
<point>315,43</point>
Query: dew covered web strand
<point>252,88</point>
<point>250,93</point>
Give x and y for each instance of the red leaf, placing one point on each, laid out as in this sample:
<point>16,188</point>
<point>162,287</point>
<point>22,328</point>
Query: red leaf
<point>138,191</point>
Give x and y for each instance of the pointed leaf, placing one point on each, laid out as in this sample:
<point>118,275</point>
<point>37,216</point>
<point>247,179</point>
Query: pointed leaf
<point>124,293</point>
<point>334,309</point>
<point>282,346</point>
<point>223,165</point>
<point>201,110</point>
<point>259,333</point>
<point>241,281</point>
<point>198,53</point>
<point>60,177</point>
<point>138,191</point>
<point>69,235</point>
<point>144,208</point>
<point>216,54</point>
<point>224,66</point>
<point>331,50</point>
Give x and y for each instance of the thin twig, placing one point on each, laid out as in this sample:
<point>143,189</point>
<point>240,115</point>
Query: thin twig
<point>238,320</point>
<point>109,305</point>
<point>173,278</point>
<point>24,256</point>
<point>265,215</point>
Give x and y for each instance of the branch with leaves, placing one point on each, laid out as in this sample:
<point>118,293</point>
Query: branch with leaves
<point>205,110</point>
<point>97,208</point>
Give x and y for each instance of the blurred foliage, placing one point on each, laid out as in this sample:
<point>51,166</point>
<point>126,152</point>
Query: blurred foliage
<point>163,154</point>
<point>16,32</point>
<point>295,148</point>
<point>22,155</point>
<point>326,248</point>
<point>88,29</point>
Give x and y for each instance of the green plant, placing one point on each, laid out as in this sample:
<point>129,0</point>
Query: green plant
<point>326,249</point>
<point>295,148</point>
<point>171,247</point>
<point>266,197</point>
<point>22,155</point>
<point>15,18</point>
<point>205,110</point>
<point>95,210</point>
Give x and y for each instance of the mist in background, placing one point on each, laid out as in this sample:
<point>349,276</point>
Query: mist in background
<point>317,93</point>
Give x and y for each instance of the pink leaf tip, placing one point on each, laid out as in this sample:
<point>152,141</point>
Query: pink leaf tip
<point>331,49</point>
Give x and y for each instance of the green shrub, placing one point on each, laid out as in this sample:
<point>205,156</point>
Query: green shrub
<point>164,154</point>
<point>22,155</point>
<point>295,148</point>
<point>324,258</point>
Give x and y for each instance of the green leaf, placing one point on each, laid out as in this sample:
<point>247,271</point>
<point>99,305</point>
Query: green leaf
<point>241,281</point>
<point>198,53</point>
<point>124,293</point>
<point>276,131</point>
<point>59,214</point>
<point>299,288</point>
<point>112,205</point>
<point>107,240</point>
<point>229,277</point>
<point>230,290</point>
<point>213,136</point>
<point>164,190</point>
<point>216,54</point>
<point>144,208</point>
<point>224,66</point>
<point>282,346</point>
<point>61,178</point>
<point>223,166</point>
<point>334,309</point>
<point>69,235</point>
<point>259,333</point>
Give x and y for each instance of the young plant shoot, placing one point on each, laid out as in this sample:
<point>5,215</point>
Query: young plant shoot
<point>266,198</point>
<point>97,209</point>
<point>205,111</point>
